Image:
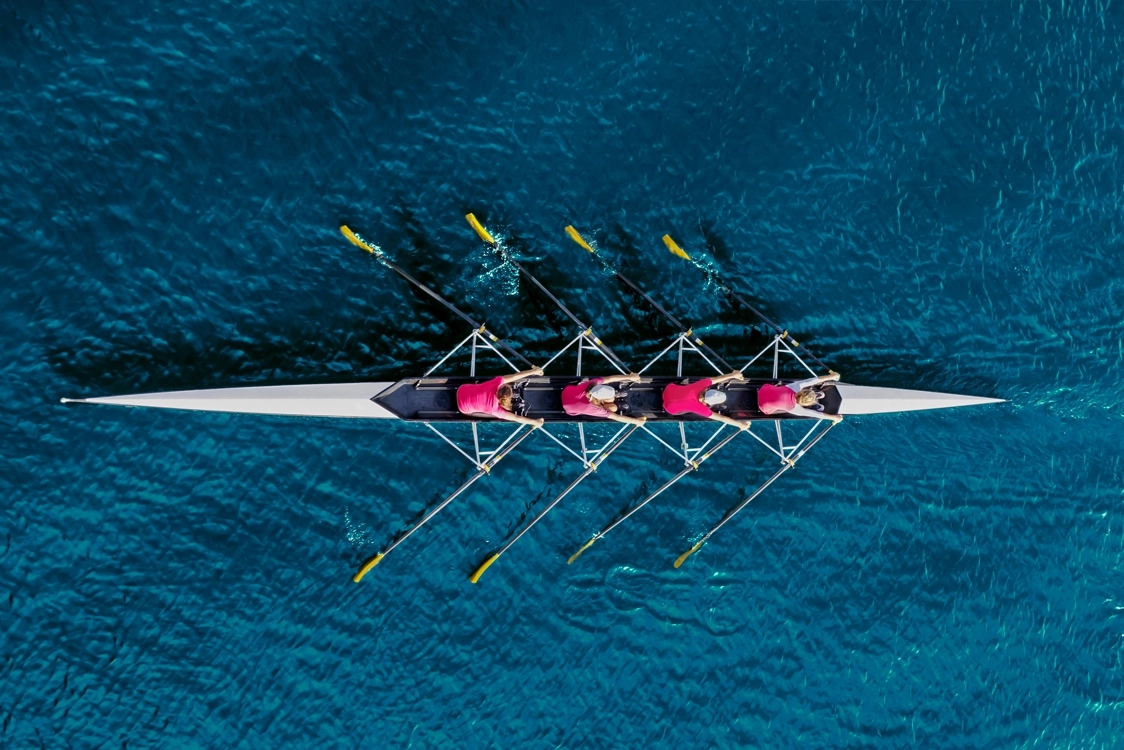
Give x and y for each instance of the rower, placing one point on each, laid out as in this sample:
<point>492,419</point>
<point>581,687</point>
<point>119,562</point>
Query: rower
<point>800,398</point>
<point>699,397</point>
<point>494,398</point>
<point>596,397</point>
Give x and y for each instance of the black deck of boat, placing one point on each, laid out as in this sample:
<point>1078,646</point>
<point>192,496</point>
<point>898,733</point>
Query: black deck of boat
<point>435,399</point>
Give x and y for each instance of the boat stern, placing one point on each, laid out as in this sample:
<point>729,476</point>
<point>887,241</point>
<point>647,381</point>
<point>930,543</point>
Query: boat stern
<point>334,400</point>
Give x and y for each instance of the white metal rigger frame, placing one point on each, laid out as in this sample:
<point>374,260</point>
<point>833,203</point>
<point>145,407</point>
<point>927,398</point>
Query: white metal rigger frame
<point>585,341</point>
<point>693,458</point>
<point>485,460</point>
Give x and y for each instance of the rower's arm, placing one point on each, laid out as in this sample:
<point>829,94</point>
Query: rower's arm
<point>800,384</point>
<point>735,423</point>
<point>532,423</point>
<point>626,420</point>
<point>800,411</point>
<point>735,375</point>
<point>630,378</point>
<point>515,377</point>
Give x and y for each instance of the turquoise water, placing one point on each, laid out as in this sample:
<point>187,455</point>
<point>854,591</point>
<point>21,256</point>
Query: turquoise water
<point>929,196</point>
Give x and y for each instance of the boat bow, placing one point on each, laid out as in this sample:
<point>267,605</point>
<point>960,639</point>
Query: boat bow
<point>865,399</point>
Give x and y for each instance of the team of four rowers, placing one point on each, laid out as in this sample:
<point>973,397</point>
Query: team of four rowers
<point>596,397</point>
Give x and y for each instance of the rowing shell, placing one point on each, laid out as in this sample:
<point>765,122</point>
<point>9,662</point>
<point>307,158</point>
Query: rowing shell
<point>434,400</point>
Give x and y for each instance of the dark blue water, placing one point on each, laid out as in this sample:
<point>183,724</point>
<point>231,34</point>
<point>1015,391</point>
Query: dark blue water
<point>928,195</point>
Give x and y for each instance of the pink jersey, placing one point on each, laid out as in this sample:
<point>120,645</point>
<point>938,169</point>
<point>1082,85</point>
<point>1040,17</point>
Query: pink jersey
<point>684,399</point>
<point>776,399</point>
<point>576,404</point>
<point>480,398</point>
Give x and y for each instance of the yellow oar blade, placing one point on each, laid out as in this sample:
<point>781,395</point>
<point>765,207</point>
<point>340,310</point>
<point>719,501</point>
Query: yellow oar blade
<point>355,240</point>
<point>366,568</point>
<point>584,547</point>
<point>675,249</point>
<point>679,560</point>
<point>577,238</point>
<point>480,230</point>
<point>483,566</point>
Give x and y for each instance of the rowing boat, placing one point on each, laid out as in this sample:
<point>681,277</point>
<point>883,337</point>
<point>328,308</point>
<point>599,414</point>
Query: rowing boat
<point>430,399</point>
<point>434,400</point>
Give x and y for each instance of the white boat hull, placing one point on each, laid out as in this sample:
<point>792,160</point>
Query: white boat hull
<point>864,399</point>
<point>354,400</point>
<point>351,400</point>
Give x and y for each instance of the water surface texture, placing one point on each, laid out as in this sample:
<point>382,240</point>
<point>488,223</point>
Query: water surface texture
<point>928,195</point>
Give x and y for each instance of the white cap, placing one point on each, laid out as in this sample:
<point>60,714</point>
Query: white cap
<point>603,392</point>
<point>714,397</point>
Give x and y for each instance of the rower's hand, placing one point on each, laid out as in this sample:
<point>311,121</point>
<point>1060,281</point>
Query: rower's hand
<point>832,375</point>
<point>538,371</point>
<point>738,375</point>
<point>743,426</point>
<point>634,377</point>
<point>537,423</point>
<point>641,420</point>
<point>836,418</point>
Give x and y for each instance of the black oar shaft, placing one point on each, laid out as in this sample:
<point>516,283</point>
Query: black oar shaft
<point>485,235</point>
<point>693,467</point>
<point>360,242</point>
<point>713,276</point>
<point>475,577</point>
<point>592,468</point>
<point>790,463</point>
<point>486,468</point>
<point>749,499</point>
<point>682,328</point>
<point>542,288</point>
<point>647,298</point>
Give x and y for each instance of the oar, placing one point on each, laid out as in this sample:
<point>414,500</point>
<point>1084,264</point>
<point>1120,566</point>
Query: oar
<point>788,464</point>
<point>485,468</point>
<point>592,468</point>
<point>361,243</point>
<point>485,235</point>
<point>688,332</point>
<point>713,276</point>
<point>693,467</point>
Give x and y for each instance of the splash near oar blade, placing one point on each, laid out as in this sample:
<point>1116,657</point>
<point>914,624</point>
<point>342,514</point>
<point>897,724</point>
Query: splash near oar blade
<point>480,230</point>
<point>366,568</point>
<point>675,249</point>
<point>679,560</point>
<point>483,566</point>
<point>578,238</point>
<point>356,239</point>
